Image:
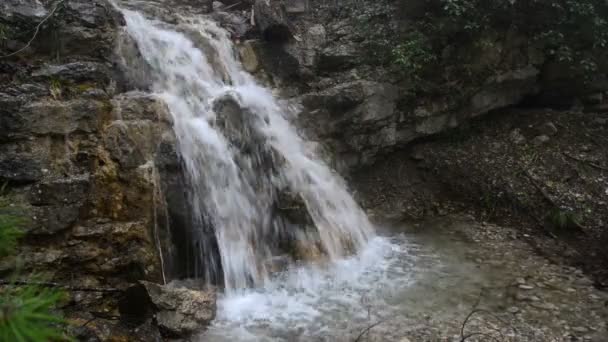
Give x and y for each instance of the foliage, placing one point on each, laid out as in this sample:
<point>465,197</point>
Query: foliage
<point>55,89</point>
<point>414,54</point>
<point>573,33</point>
<point>9,234</point>
<point>26,312</point>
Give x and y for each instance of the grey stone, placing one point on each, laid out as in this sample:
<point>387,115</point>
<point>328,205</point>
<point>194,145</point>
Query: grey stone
<point>52,219</point>
<point>181,311</point>
<point>504,90</point>
<point>540,140</point>
<point>63,191</point>
<point>74,72</point>
<point>548,129</point>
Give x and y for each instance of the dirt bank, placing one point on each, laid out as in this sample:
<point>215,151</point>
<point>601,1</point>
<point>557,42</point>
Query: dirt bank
<point>541,171</point>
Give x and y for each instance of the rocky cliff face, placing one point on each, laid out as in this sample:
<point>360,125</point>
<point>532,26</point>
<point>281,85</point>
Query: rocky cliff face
<point>88,163</point>
<point>338,66</point>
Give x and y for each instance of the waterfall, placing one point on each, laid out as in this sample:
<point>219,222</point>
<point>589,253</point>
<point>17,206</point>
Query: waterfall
<point>240,152</point>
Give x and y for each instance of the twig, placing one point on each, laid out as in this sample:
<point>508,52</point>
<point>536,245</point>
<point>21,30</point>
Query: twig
<point>474,311</point>
<point>233,5</point>
<point>60,286</point>
<point>599,167</point>
<point>366,330</point>
<point>466,320</point>
<point>36,31</point>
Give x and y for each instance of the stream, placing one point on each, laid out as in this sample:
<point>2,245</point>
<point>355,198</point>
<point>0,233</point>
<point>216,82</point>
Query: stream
<point>419,283</point>
<point>450,279</point>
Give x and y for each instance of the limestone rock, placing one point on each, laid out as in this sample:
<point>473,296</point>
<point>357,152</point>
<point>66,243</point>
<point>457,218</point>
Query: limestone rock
<point>181,311</point>
<point>504,90</point>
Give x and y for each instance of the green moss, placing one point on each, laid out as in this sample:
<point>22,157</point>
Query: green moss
<point>82,87</point>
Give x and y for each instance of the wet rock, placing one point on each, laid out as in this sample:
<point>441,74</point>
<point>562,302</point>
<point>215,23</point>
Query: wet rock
<point>140,106</point>
<point>292,207</point>
<point>180,312</point>
<point>248,56</point>
<point>271,19</point>
<point>278,263</point>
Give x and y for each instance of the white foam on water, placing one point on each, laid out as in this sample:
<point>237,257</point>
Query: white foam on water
<point>322,299</point>
<point>226,185</point>
<point>319,301</point>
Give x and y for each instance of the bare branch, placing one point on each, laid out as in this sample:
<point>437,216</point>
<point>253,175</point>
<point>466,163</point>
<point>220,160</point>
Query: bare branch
<point>366,330</point>
<point>36,31</point>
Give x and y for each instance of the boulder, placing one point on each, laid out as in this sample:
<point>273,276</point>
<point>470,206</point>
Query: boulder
<point>505,90</point>
<point>180,311</point>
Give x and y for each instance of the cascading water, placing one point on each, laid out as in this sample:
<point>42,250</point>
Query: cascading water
<point>238,165</point>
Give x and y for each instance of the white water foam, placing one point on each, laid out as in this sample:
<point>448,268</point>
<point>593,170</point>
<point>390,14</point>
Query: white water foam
<point>313,302</point>
<point>236,190</point>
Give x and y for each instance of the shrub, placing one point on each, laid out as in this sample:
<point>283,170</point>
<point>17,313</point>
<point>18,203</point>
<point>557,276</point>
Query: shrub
<point>26,312</point>
<point>573,33</point>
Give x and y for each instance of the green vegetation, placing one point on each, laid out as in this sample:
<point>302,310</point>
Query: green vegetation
<point>26,315</point>
<point>468,40</point>
<point>55,89</point>
<point>26,312</point>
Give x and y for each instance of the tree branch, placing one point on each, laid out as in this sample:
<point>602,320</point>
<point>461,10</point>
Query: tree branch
<point>36,31</point>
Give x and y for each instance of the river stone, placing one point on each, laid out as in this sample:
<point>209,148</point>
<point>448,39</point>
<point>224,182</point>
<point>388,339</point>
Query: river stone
<point>181,311</point>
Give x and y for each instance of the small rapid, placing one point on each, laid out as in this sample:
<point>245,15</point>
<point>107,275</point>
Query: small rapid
<point>241,155</point>
<point>331,302</point>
